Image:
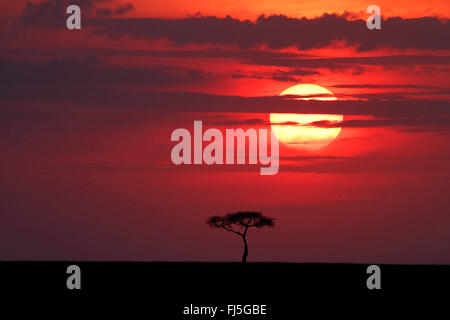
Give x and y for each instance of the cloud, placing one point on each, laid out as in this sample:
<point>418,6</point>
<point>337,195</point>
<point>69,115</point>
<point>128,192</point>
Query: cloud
<point>118,11</point>
<point>385,86</point>
<point>365,166</point>
<point>318,165</point>
<point>299,64</point>
<point>91,81</point>
<point>279,31</point>
<point>201,102</point>
<point>185,53</point>
<point>437,122</point>
<point>442,94</point>
<point>279,75</point>
<point>275,31</point>
<point>350,62</point>
<point>229,121</point>
<point>52,13</point>
<point>417,64</point>
<point>92,72</point>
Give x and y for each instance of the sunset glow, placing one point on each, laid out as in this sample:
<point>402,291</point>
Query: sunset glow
<point>362,118</point>
<point>298,130</point>
<point>303,135</point>
<point>309,92</point>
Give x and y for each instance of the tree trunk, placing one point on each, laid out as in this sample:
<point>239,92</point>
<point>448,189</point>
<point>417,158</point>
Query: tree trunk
<point>244,256</point>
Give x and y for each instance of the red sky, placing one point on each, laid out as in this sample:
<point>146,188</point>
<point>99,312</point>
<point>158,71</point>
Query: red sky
<point>253,8</point>
<point>86,118</point>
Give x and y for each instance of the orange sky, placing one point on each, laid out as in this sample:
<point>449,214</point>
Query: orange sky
<point>253,8</point>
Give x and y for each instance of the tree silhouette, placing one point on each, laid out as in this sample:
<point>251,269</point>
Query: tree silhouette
<point>239,223</point>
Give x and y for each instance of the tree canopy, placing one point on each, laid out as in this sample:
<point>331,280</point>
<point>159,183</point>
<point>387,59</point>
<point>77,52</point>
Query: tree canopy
<point>239,222</point>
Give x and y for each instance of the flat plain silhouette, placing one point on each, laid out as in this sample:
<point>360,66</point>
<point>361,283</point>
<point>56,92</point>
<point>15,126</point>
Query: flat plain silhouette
<point>239,223</point>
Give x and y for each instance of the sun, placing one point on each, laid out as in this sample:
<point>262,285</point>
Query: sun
<point>296,130</point>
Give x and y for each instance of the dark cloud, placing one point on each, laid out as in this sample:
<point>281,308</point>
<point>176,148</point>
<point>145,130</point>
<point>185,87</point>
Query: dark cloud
<point>385,86</point>
<point>365,166</point>
<point>437,122</point>
<point>123,9</point>
<point>53,12</point>
<point>202,102</point>
<point>91,71</point>
<point>276,31</point>
<point>118,11</point>
<point>280,75</point>
<point>400,95</point>
<point>300,64</point>
<point>279,31</point>
<point>257,57</point>
<point>90,81</point>
<point>236,122</point>
<point>420,124</point>
<point>244,55</point>
<point>350,62</point>
<point>418,64</point>
<point>410,90</point>
<point>319,165</point>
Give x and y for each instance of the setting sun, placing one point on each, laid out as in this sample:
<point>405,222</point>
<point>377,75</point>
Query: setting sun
<point>296,130</point>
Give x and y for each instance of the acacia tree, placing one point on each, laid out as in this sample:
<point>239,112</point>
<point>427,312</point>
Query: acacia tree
<point>239,223</point>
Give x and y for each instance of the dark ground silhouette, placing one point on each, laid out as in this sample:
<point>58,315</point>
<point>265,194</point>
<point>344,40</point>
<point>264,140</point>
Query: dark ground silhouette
<point>160,290</point>
<point>219,279</point>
